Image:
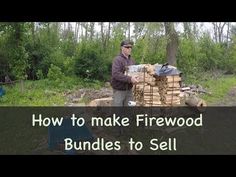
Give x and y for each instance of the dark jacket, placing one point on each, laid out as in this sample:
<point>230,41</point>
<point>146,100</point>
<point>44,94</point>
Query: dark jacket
<point>119,80</point>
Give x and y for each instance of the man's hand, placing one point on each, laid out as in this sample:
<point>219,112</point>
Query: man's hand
<point>134,79</point>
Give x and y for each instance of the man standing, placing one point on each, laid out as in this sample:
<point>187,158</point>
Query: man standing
<point>122,84</point>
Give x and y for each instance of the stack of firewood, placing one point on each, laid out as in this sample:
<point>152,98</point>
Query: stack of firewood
<point>153,90</point>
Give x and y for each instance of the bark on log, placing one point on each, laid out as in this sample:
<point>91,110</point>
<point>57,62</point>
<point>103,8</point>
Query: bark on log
<point>194,101</point>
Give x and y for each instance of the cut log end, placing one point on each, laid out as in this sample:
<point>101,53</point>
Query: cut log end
<point>194,101</point>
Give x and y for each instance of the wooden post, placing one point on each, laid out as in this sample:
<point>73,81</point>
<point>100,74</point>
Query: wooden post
<point>21,86</point>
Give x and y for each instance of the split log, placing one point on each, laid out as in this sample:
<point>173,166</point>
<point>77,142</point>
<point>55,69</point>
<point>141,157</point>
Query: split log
<point>174,84</point>
<point>174,92</point>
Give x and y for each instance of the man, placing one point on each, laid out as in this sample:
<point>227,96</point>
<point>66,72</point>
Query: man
<point>121,83</point>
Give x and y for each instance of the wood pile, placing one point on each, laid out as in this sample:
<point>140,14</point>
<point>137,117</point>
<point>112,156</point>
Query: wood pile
<point>153,90</point>
<point>193,90</point>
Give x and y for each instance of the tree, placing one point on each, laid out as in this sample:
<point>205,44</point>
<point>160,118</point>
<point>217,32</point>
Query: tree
<point>128,30</point>
<point>138,29</point>
<point>77,25</point>
<point>187,30</point>
<point>228,34</point>
<point>172,43</point>
<point>218,28</point>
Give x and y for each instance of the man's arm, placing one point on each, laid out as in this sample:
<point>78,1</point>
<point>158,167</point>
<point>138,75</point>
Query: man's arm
<point>117,73</point>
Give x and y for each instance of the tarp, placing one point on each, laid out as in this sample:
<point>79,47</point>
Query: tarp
<point>136,68</point>
<point>2,92</point>
<point>166,70</point>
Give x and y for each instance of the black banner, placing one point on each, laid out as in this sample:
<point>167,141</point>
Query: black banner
<point>118,130</point>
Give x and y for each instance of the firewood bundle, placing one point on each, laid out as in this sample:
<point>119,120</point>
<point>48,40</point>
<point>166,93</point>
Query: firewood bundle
<point>153,90</point>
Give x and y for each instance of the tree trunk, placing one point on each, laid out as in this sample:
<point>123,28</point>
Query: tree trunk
<point>82,31</point>
<point>86,30</point>
<point>195,33</point>
<point>172,43</point>
<point>77,26</point>
<point>33,31</point>
<point>91,29</point>
<point>102,35</point>
<point>187,30</point>
<point>128,30</point>
<point>21,86</point>
<point>108,33</point>
<point>215,31</point>
<point>221,32</point>
<point>227,35</point>
<point>64,26</point>
<point>218,31</point>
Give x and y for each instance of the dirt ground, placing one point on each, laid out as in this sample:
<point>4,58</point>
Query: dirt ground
<point>83,96</point>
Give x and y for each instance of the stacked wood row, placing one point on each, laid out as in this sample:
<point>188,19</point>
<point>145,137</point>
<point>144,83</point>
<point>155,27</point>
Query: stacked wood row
<point>147,95</point>
<point>169,89</point>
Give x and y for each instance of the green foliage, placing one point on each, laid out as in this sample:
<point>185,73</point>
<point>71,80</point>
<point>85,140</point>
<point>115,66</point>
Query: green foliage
<point>39,59</point>
<point>151,48</point>
<point>35,94</point>
<point>187,57</point>
<point>55,75</point>
<point>57,58</point>
<point>68,46</point>
<point>39,74</point>
<point>19,62</point>
<point>229,63</point>
<point>13,49</point>
<point>210,54</point>
<point>69,66</point>
<point>43,49</point>
<point>89,64</point>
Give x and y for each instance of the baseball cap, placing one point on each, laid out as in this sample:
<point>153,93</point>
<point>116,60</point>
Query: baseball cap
<point>126,42</point>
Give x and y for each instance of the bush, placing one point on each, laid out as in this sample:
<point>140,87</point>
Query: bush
<point>39,74</point>
<point>187,57</point>
<point>55,74</point>
<point>212,54</point>
<point>89,64</point>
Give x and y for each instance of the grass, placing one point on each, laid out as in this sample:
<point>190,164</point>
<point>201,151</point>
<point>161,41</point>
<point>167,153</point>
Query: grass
<point>217,84</point>
<point>34,93</point>
<point>218,88</point>
<point>43,92</point>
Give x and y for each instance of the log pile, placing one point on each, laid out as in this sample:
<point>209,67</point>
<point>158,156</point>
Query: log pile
<point>153,90</point>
